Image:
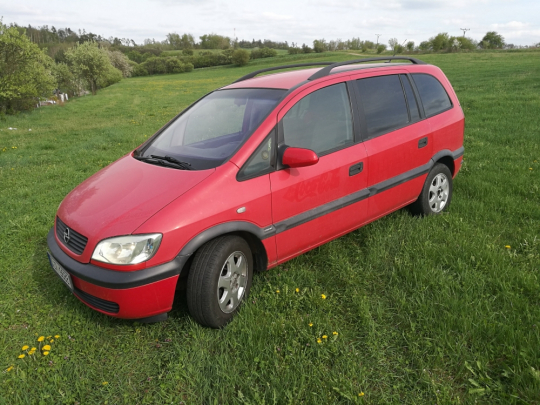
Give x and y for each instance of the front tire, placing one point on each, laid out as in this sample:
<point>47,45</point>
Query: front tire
<point>219,280</point>
<point>436,193</point>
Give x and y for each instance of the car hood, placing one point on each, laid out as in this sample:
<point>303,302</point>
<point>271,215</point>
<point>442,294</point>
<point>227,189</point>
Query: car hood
<point>121,197</point>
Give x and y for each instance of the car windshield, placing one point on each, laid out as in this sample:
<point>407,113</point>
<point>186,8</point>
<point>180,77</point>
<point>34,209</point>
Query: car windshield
<point>208,133</point>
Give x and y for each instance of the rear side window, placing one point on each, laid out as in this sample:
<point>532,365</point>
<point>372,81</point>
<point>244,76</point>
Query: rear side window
<point>384,104</point>
<point>411,99</point>
<point>433,95</point>
<point>321,121</point>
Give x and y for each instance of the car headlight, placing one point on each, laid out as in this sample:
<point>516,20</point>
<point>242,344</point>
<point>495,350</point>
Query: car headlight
<point>130,249</point>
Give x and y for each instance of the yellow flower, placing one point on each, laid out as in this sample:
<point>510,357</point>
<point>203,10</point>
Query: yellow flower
<point>325,337</point>
<point>45,353</point>
<point>9,369</point>
<point>507,246</point>
<point>56,336</point>
<point>52,340</point>
<point>33,349</point>
<point>22,356</point>
<point>25,347</point>
<point>104,382</point>
<point>319,340</point>
<point>361,394</point>
<point>41,339</point>
<point>310,324</point>
<point>298,290</point>
<point>334,333</point>
<point>46,347</point>
<point>31,352</point>
<point>323,296</point>
<point>48,337</point>
<point>277,291</point>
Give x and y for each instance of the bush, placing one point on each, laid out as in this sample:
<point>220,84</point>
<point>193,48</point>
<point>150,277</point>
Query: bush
<point>265,52</point>
<point>294,50</point>
<point>120,62</point>
<point>492,40</point>
<point>240,57</point>
<point>381,48</point>
<point>111,76</point>
<point>25,71</point>
<point>188,67</point>
<point>187,52</point>
<point>306,49</point>
<point>139,70</point>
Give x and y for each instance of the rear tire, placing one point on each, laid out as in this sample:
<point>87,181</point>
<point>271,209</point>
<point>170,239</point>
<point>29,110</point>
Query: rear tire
<point>436,193</point>
<point>219,280</point>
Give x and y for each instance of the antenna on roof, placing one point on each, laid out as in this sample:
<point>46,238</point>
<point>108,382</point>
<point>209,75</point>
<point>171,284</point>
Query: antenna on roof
<point>464,31</point>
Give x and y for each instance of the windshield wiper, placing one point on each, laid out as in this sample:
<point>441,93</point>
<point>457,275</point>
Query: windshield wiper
<point>166,160</point>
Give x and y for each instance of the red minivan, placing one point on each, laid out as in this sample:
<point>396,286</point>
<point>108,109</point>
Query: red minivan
<point>252,175</point>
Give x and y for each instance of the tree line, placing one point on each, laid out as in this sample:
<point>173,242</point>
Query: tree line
<point>34,61</point>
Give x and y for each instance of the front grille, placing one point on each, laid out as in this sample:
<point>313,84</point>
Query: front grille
<point>76,242</point>
<point>107,306</point>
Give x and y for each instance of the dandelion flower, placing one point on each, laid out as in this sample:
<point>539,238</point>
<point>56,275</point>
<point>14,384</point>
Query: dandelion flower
<point>277,291</point>
<point>325,337</point>
<point>319,340</point>
<point>323,296</point>
<point>46,347</point>
<point>52,340</point>
<point>56,336</point>
<point>22,356</point>
<point>9,369</point>
<point>31,352</point>
<point>48,337</point>
<point>507,246</point>
<point>334,333</point>
<point>25,347</point>
<point>361,394</point>
<point>33,349</point>
<point>45,353</point>
<point>310,324</point>
<point>41,339</point>
<point>298,290</point>
<point>105,383</point>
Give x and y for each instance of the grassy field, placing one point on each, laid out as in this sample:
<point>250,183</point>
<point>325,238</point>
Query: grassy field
<point>441,310</point>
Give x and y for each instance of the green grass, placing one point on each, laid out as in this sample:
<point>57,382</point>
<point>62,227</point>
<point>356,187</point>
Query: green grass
<point>433,310</point>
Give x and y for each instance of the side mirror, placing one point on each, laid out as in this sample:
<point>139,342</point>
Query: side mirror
<point>298,157</point>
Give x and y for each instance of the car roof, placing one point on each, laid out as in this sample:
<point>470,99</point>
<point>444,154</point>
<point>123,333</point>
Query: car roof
<point>292,78</point>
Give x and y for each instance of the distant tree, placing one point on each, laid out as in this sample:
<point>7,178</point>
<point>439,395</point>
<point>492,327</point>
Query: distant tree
<point>319,45</point>
<point>395,46</point>
<point>174,40</point>
<point>424,46</point>
<point>440,42</point>
<point>25,71</point>
<point>89,62</point>
<point>120,62</point>
<point>187,52</point>
<point>214,41</point>
<point>306,49</point>
<point>240,57</point>
<point>410,46</point>
<point>381,48</point>
<point>355,44</point>
<point>492,40</point>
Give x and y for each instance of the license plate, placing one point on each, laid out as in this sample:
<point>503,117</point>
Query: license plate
<point>64,275</point>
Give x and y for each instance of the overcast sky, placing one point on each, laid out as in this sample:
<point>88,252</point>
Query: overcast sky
<point>299,21</point>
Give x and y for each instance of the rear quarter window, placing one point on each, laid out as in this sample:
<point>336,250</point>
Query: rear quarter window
<point>433,95</point>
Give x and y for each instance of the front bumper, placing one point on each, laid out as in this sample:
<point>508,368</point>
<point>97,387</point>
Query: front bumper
<point>123,294</point>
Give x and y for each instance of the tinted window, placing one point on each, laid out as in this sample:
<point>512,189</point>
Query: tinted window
<point>320,121</point>
<point>432,93</point>
<point>384,104</point>
<point>260,162</point>
<point>411,99</point>
<point>209,132</point>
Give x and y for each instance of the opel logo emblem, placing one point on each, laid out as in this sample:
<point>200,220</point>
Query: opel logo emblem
<point>66,235</point>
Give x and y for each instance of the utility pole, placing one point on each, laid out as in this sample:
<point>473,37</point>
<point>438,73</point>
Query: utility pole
<point>378,35</point>
<point>464,31</point>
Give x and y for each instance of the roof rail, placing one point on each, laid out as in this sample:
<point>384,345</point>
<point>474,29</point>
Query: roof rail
<point>253,74</point>
<point>326,71</point>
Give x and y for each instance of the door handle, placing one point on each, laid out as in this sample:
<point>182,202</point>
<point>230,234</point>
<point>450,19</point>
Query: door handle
<point>422,142</point>
<point>355,169</point>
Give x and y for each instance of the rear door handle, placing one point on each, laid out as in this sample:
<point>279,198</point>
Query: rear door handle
<point>355,169</point>
<point>422,142</point>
